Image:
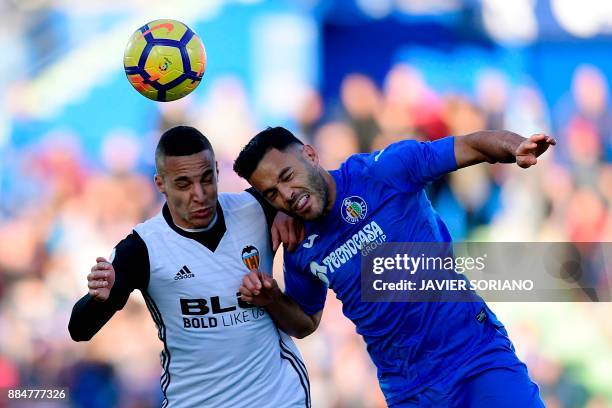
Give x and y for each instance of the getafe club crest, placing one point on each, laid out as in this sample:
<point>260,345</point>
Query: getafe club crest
<point>250,257</point>
<point>353,209</point>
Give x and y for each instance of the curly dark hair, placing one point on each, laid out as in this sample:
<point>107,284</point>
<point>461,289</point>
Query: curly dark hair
<point>271,138</point>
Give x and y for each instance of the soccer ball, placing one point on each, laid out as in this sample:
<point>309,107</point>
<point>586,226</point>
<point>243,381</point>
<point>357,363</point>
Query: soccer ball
<point>164,60</point>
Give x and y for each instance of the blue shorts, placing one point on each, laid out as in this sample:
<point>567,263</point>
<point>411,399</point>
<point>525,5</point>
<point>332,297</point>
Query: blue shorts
<point>505,387</point>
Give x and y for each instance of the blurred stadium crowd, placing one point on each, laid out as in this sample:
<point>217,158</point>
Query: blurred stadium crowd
<point>60,209</point>
<point>78,213</point>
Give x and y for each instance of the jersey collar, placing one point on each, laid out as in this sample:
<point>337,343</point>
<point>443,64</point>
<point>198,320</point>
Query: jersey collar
<point>209,238</point>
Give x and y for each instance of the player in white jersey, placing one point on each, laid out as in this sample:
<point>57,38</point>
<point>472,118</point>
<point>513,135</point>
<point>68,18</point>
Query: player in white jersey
<point>188,261</point>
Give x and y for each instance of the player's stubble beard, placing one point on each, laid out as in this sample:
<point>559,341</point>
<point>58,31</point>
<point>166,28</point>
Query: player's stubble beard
<point>316,185</point>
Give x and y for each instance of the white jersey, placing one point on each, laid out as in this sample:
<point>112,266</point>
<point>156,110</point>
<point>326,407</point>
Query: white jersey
<point>218,351</point>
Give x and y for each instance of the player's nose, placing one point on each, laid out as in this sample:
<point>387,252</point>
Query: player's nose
<point>287,193</point>
<point>198,193</point>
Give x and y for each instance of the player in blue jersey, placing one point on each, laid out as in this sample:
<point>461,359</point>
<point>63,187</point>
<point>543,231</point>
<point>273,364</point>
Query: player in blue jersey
<point>428,354</point>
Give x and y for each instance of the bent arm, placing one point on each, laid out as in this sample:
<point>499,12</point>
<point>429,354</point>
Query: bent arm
<point>262,290</point>
<point>290,317</point>
<point>130,267</point>
<point>88,317</point>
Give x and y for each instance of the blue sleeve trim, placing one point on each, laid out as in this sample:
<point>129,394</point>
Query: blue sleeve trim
<point>446,147</point>
<point>310,310</point>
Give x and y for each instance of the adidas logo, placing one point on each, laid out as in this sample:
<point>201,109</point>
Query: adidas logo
<point>184,273</point>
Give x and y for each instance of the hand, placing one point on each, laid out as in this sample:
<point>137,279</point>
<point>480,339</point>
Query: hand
<point>528,151</point>
<point>101,279</point>
<point>257,293</point>
<point>288,230</point>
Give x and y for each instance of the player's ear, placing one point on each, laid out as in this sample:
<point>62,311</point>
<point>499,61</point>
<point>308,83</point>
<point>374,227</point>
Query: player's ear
<point>310,154</point>
<point>217,170</point>
<point>159,183</point>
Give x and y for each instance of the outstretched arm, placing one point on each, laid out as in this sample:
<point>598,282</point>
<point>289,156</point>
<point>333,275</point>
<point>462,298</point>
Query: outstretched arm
<point>500,146</point>
<point>285,312</point>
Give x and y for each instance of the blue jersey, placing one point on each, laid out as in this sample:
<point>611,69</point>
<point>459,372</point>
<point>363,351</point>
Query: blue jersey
<point>380,198</point>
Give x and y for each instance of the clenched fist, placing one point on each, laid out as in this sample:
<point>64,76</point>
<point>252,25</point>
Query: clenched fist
<point>101,279</point>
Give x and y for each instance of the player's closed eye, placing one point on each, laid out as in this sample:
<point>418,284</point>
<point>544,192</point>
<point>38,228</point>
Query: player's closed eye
<point>271,195</point>
<point>287,177</point>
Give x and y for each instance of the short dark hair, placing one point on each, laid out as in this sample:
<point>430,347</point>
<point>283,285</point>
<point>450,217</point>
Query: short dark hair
<point>180,141</point>
<point>271,138</point>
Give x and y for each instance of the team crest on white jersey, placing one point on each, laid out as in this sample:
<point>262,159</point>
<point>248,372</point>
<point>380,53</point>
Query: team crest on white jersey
<point>354,209</point>
<point>250,257</point>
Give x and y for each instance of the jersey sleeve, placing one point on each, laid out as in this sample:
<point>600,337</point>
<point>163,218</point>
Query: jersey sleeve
<point>410,165</point>
<point>131,263</point>
<point>304,288</point>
